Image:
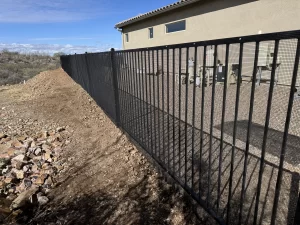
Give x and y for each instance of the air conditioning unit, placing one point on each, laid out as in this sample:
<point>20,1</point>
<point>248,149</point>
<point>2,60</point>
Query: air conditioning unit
<point>265,57</point>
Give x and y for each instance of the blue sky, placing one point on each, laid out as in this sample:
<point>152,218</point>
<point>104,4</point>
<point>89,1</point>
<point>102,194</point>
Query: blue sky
<point>49,26</point>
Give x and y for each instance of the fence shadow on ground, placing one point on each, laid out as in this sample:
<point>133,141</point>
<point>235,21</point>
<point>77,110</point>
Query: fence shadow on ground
<point>274,141</point>
<point>206,172</point>
<point>136,206</point>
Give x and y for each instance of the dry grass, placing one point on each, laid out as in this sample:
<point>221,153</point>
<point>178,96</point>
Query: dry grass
<point>16,67</point>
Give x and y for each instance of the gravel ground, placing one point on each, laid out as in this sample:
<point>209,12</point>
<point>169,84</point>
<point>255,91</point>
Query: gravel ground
<point>277,120</point>
<point>153,127</point>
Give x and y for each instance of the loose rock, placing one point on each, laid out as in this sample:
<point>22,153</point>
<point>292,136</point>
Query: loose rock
<point>19,173</point>
<point>2,135</point>
<point>60,129</point>
<point>17,144</point>
<point>23,198</point>
<point>30,164</point>
<point>17,161</point>
<point>42,200</point>
<point>4,162</point>
<point>38,151</point>
<point>11,152</point>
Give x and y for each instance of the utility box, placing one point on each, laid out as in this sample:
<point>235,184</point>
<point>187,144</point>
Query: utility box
<point>264,55</point>
<point>221,73</point>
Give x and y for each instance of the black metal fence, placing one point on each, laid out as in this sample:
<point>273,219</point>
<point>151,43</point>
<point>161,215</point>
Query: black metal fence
<point>218,116</point>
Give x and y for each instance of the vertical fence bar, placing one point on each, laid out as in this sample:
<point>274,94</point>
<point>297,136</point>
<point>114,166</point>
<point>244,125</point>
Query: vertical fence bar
<point>285,135</point>
<point>187,80</point>
<point>168,107</point>
<point>76,66</point>
<point>179,113</point>
<point>147,100</point>
<point>243,192</point>
<point>158,105</point>
<point>125,87</point>
<point>133,95</point>
<point>88,75</point>
<point>211,123</point>
<point>202,118</point>
<point>266,129</point>
<point>122,87</point>
<point>136,95</point>
<point>154,107</point>
<point>131,125</point>
<point>163,105</point>
<point>128,95</point>
<point>234,131</point>
<point>133,110</point>
<point>144,113</point>
<point>115,86</point>
<point>150,106</point>
<point>119,79</point>
<point>297,216</point>
<point>141,99</point>
<point>137,99</point>
<point>174,77</point>
<point>193,115</point>
<point>222,126</point>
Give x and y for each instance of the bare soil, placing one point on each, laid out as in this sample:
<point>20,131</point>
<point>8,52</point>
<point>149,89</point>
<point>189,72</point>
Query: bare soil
<point>106,179</point>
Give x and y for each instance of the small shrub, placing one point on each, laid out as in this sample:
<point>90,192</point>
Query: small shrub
<point>16,67</point>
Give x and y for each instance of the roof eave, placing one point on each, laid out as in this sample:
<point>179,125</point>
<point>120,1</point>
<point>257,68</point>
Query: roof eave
<point>153,13</point>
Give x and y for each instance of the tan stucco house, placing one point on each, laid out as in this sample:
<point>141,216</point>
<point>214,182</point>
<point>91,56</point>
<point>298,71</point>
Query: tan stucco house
<point>197,20</point>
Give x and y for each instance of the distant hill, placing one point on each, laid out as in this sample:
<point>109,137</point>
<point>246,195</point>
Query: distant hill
<point>16,67</point>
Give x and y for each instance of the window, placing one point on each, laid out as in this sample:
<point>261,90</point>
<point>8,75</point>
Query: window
<point>151,33</point>
<point>174,27</point>
<point>126,38</point>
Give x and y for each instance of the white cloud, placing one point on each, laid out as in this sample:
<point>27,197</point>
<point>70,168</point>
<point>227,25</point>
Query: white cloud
<point>62,38</point>
<point>41,11</point>
<point>53,48</point>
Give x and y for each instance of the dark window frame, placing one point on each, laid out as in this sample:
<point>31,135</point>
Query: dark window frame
<point>149,33</point>
<point>175,26</point>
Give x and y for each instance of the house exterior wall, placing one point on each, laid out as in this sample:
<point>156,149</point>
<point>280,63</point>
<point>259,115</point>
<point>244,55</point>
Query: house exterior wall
<point>214,19</point>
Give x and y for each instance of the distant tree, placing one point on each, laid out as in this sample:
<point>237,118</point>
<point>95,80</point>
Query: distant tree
<point>58,54</point>
<point>5,50</point>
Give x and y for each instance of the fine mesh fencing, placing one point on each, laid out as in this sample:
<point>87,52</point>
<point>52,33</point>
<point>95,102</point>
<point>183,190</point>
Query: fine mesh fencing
<point>222,117</point>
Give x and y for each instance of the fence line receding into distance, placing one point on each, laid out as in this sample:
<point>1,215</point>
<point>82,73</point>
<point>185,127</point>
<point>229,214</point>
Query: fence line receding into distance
<point>221,117</point>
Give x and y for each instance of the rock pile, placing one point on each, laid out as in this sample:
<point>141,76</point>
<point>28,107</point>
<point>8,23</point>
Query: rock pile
<point>29,166</point>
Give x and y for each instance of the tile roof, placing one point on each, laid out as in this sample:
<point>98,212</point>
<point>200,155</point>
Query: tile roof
<point>154,12</point>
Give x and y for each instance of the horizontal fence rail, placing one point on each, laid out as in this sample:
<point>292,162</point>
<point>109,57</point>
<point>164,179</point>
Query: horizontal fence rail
<point>221,117</point>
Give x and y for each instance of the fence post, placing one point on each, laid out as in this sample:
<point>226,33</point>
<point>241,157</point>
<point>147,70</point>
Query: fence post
<point>115,86</point>
<point>297,216</point>
<point>89,88</point>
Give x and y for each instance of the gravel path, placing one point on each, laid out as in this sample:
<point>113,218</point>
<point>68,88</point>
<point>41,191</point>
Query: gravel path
<point>159,99</point>
<point>170,142</point>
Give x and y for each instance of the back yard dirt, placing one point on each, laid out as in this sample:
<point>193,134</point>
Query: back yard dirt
<point>105,179</point>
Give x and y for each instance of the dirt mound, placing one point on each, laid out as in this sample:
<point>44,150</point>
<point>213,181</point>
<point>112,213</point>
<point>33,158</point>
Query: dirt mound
<point>106,180</point>
<point>48,81</point>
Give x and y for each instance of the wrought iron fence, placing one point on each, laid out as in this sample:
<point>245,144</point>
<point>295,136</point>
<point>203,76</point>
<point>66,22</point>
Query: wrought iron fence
<point>219,116</point>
